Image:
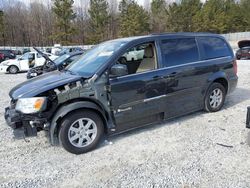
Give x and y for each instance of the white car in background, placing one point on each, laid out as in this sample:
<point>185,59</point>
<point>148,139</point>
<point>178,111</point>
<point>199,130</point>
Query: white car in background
<point>24,63</point>
<point>134,54</point>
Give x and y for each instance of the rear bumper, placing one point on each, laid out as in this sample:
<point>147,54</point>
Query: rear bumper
<point>232,84</point>
<point>248,118</point>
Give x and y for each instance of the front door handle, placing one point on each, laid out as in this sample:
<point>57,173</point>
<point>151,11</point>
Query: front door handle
<point>158,77</point>
<point>171,75</point>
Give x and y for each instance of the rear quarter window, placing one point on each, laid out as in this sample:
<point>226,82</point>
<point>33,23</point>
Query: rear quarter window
<point>179,51</point>
<point>213,47</point>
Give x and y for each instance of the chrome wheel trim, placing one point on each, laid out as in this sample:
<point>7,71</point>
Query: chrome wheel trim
<point>13,69</point>
<point>215,98</point>
<point>82,132</point>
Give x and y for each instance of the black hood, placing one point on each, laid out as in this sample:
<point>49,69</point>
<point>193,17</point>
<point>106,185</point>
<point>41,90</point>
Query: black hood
<point>43,83</point>
<point>244,43</point>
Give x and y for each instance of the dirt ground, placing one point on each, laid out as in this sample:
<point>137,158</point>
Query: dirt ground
<point>184,152</point>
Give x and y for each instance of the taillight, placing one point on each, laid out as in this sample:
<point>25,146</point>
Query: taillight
<point>235,67</point>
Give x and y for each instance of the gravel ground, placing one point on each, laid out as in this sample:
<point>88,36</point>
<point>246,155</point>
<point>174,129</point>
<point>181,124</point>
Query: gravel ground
<point>183,152</point>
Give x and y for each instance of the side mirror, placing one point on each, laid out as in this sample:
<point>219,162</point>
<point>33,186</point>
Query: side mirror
<point>118,70</point>
<point>65,64</point>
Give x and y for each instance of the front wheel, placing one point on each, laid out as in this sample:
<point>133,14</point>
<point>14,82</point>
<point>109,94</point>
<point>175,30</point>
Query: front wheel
<point>215,97</point>
<point>81,131</point>
<point>13,69</point>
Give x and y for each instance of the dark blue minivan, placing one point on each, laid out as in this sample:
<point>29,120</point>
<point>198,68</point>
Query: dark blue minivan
<point>167,75</point>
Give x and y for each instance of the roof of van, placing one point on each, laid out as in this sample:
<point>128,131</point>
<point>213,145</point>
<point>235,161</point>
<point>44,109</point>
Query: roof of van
<point>184,33</point>
<point>168,34</point>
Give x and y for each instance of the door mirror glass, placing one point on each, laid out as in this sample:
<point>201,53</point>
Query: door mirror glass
<point>65,64</point>
<point>118,70</point>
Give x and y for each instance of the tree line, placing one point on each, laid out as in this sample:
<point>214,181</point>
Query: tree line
<point>94,21</point>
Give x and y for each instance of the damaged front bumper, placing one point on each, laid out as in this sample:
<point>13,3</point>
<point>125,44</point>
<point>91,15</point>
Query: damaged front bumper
<point>21,126</point>
<point>248,118</point>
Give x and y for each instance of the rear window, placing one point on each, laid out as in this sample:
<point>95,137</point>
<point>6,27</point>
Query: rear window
<point>179,51</point>
<point>214,47</point>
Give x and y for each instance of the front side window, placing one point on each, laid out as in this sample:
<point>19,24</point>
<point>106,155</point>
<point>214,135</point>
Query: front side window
<point>214,47</point>
<point>179,51</point>
<point>140,58</point>
<point>25,56</point>
<point>31,56</point>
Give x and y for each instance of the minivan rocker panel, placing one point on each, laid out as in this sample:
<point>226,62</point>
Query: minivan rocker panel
<point>103,93</point>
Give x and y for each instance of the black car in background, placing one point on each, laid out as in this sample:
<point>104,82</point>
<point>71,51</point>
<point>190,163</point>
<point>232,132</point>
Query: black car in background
<point>98,94</point>
<point>244,50</point>
<point>8,54</point>
<point>58,64</point>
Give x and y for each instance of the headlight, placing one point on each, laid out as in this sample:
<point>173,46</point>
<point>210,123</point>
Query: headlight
<point>33,74</point>
<point>31,105</point>
<point>5,63</point>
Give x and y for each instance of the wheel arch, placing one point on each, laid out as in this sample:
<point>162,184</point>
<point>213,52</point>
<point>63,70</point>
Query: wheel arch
<point>219,77</point>
<point>18,69</point>
<point>70,107</point>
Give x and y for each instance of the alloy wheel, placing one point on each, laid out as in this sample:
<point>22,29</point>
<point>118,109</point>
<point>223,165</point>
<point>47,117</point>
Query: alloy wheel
<point>82,132</point>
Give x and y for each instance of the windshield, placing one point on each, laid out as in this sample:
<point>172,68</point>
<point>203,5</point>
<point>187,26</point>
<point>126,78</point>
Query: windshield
<point>61,59</point>
<point>93,59</point>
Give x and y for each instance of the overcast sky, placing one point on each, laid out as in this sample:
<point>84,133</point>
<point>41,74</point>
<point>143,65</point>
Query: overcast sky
<point>141,2</point>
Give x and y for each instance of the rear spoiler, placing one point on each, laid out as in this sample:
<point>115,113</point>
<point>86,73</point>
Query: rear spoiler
<point>43,55</point>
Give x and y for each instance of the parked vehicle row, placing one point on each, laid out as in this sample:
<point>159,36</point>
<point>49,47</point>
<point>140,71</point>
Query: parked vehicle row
<point>7,54</point>
<point>102,94</point>
<point>58,64</point>
<point>23,63</point>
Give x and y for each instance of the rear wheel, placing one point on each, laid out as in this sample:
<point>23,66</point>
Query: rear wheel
<point>13,69</point>
<point>81,131</point>
<point>215,97</point>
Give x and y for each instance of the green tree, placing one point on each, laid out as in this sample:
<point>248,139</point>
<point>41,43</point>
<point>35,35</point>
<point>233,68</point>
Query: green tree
<point>245,10</point>
<point>2,28</point>
<point>158,16</point>
<point>181,15</point>
<point>63,10</point>
<point>235,19</point>
<point>212,17</point>
<point>134,20</point>
<point>99,19</point>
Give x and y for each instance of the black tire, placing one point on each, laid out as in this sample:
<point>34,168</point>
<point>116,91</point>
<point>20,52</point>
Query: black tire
<point>68,122</point>
<point>13,69</point>
<point>213,88</point>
